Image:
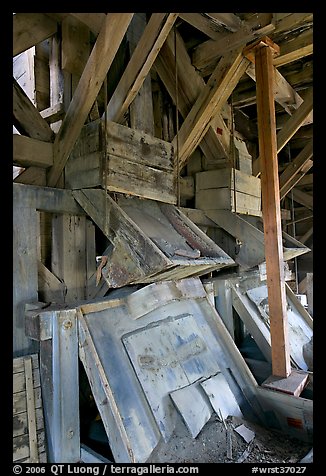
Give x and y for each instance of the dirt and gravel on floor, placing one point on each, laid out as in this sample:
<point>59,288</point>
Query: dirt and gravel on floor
<point>233,441</point>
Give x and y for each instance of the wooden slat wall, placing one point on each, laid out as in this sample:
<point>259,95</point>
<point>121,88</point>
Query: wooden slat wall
<point>28,423</point>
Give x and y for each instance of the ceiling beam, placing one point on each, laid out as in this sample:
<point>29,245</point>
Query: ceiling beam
<point>94,21</point>
<point>210,101</point>
<point>296,169</point>
<point>97,66</point>
<point>140,63</point>
<point>29,29</point>
<point>26,117</point>
<point>303,198</point>
<point>295,49</point>
<point>206,55</point>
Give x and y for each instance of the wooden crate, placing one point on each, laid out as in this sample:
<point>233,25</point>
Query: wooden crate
<point>28,422</point>
<point>228,189</point>
<point>127,161</point>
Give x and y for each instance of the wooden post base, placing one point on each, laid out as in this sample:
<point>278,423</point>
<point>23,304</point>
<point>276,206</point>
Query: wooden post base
<point>293,384</point>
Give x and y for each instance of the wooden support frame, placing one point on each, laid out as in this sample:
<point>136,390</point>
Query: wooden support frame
<point>264,69</point>
<point>57,332</point>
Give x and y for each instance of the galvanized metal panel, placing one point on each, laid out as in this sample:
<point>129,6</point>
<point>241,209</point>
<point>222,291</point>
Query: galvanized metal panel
<point>167,357</point>
<point>221,396</point>
<point>194,407</point>
<point>299,330</point>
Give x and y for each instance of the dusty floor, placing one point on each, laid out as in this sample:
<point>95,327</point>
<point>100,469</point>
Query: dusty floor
<point>214,445</point>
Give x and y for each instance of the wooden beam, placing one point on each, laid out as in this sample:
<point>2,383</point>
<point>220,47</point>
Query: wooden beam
<point>32,176</point>
<point>143,57</point>
<point>190,85</point>
<point>52,200</point>
<point>28,151</point>
<point>296,169</point>
<point>281,365</point>
<point>291,21</point>
<point>303,198</point>
<point>141,108</point>
<point>27,119</point>
<point>295,121</point>
<point>30,29</point>
<point>94,21</point>
<point>210,101</point>
<point>100,59</point>
<point>206,55</point>
<point>295,49</point>
<point>304,238</point>
<point>75,45</point>
<point>229,20</point>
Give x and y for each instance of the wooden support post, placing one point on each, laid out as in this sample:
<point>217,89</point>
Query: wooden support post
<point>60,388</point>
<point>271,206</point>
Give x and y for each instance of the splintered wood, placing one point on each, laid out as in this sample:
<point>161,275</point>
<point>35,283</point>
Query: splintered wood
<point>28,424</point>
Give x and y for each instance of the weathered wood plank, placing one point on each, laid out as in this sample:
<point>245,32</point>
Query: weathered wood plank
<point>47,199</point>
<point>19,383</point>
<point>224,199</point>
<point>294,171</point>
<point>143,57</point>
<point>293,49</point>
<point>27,118</point>
<point>190,85</point>
<point>18,363</point>
<point>203,23</point>
<point>303,198</point>
<point>32,176</point>
<point>228,178</point>
<point>30,29</point>
<point>210,101</point>
<point>271,211</point>
<point>206,55</point>
<point>50,288</point>
<point>75,45</point>
<point>297,119</point>
<point>19,401</point>
<point>31,413</point>
<point>69,254</point>
<point>25,229</point>
<point>21,446</point>
<point>28,151</point>
<point>141,108</point>
<point>100,59</point>
<point>94,21</point>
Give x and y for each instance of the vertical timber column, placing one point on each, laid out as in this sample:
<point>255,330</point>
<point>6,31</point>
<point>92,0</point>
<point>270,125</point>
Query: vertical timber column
<point>263,51</point>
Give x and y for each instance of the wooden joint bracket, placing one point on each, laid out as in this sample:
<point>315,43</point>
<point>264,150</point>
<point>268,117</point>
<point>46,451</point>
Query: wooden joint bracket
<point>250,50</point>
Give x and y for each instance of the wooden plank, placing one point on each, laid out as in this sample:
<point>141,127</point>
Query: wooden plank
<point>48,199</point>
<point>141,108</point>
<point>32,176</point>
<point>203,23</point>
<point>30,29</point>
<point>75,45</point>
<point>303,198</point>
<point>100,59</point>
<point>271,211</point>
<point>228,178</point>
<point>231,21</point>
<point>59,369</point>
<point>21,446</point>
<point>143,57</point>
<point>145,181</point>
<point>18,363</point>
<point>20,421</point>
<point>94,21</point>
<point>19,383</point>
<point>210,101</point>
<point>25,229</point>
<point>190,85</point>
<point>294,171</point>
<point>50,288</point>
<point>27,119</point>
<point>206,55</point>
<point>224,199</point>
<point>31,415</point>
<point>294,20</point>
<point>293,49</point>
<point>297,119</point>
<point>69,254</point>
<point>19,401</point>
<point>28,151</point>
<point>124,234</point>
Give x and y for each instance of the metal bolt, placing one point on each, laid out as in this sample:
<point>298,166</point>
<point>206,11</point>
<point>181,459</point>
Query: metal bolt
<point>67,324</point>
<point>70,434</point>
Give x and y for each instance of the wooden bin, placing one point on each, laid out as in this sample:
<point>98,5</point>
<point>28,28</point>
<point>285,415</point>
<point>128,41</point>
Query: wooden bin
<point>228,189</point>
<point>126,160</point>
<point>152,241</point>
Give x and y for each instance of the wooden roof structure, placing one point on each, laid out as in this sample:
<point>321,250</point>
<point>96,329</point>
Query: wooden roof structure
<point>180,78</point>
